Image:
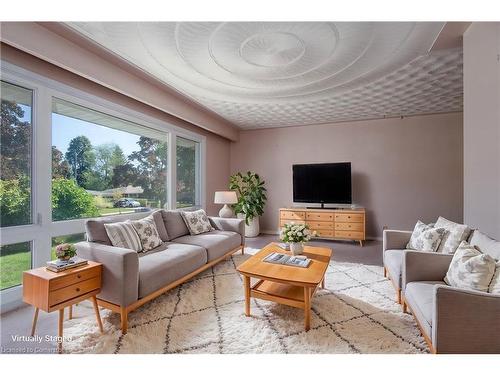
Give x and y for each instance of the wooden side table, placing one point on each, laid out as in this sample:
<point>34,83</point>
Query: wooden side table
<point>51,291</point>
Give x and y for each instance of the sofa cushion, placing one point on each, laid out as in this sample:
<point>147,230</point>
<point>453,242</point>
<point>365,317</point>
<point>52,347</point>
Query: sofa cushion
<point>167,263</point>
<point>425,237</point>
<point>419,296</point>
<point>217,243</point>
<point>174,224</point>
<point>495,281</point>
<point>486,244</point>
<point>160,225</point>
<point>95,230</point>
<point>470,269</point>
<point>393,261</point>
<point>455,233</point>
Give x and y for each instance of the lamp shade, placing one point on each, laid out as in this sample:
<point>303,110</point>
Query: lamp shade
<point>225,197</point>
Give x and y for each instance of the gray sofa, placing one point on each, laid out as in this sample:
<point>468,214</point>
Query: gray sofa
<point>131,279</point>
<point>452,320</point>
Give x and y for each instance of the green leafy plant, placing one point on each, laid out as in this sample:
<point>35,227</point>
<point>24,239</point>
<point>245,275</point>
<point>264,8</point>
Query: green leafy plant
<point>69,201</point>
<point>251,194</point>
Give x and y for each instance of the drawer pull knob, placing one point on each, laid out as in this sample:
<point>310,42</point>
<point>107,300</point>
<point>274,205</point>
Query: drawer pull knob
<point>348,217</point>
<point>77,289</point>
<point>79,276</point>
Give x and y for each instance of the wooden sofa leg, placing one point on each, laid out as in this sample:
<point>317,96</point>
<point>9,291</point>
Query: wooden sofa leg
<point>405,309</point>
<point>124,319</point>
<point>243,250</point>
<point>385,272</point>
<point>398,296</point>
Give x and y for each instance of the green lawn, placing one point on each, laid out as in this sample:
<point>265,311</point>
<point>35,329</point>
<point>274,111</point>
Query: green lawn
<point>12,267</point>
<point>115,211</point>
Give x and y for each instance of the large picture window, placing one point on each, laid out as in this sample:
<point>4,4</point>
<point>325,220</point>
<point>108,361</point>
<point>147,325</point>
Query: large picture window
<point>103,165</point>
<point>15,153</point>
<point>67,155</point>
<point>188,173</point>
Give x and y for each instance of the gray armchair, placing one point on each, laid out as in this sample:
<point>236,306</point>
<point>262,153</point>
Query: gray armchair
<point>393,246</point>
<point>452,320</point>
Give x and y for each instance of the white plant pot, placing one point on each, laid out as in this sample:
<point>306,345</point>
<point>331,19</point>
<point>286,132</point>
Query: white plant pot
<point>253,228</point>
<point>296,248</point>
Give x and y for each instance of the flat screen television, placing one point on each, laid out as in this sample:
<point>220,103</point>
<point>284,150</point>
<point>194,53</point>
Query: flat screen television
<point>322,183</point>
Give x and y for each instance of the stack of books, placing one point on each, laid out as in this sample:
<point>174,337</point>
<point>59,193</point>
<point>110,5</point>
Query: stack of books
<point>288,260</point>
<point>62,265</point>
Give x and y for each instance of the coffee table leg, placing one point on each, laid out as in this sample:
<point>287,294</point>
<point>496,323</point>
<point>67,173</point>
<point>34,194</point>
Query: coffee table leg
<point>246,284</point>
<point>307,308</point>
<point>323,283</point>
<point>35,318</point>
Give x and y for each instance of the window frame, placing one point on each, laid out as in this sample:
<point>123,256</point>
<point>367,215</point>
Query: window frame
<point>42,229</point>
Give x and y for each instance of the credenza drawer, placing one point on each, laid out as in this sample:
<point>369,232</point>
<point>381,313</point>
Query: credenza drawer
<point>324,233</point>
<point>74,291</point>
<point>349,218</point>
<point>319,216</point>
<point>292,215</point>
<point>314,225</point>
<point>349,226</point>
<point>73,278</point>
<point>283,222</point>
<point>349,234</point>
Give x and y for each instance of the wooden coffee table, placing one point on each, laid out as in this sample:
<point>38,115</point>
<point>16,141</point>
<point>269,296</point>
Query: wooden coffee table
<point>288,285</point>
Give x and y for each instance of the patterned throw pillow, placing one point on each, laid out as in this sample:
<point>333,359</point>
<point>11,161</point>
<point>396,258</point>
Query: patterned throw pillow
<point>470,269</point>
<point>196,221</point>
<point>453,236</point>
<point>425,237</point>
<point>123,235</point>
<point>495,281</point>
<point>148,233</point>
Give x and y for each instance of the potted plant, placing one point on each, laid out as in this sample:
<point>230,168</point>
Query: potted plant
<point>65,251</point>
<point>251,200</point>
<point>296,235</point>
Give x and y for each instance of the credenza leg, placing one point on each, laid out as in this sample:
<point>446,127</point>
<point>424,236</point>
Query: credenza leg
<point>361,243</point>
<point>60,330</point>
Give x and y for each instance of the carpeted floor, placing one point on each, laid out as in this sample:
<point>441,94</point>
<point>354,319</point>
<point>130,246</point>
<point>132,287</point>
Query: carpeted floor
<point>356,313</point>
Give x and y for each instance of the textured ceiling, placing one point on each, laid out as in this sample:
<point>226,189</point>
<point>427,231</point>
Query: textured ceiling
<point>268,74</point>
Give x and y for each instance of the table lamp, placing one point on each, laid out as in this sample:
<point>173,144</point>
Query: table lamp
<point>225,198</point>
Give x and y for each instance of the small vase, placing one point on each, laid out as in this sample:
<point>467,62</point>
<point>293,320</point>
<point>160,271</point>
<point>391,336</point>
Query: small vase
<point>296,248</point>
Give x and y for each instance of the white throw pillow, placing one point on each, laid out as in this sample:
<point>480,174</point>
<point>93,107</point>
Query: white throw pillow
<point>495,281</point>
<point>196,221</point>
<point>123,235</point>
<point>425,237</point>
<point>454,235</point>
<point>470,269</point>
<point>148,233</point>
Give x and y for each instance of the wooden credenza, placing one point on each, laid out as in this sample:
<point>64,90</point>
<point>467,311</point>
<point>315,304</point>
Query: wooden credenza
<point>332,224</point>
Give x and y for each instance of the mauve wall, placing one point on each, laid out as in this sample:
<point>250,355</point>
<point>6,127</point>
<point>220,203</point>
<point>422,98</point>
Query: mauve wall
<point>403,169</point>
<point>482,127</point>
<point>217,148</point>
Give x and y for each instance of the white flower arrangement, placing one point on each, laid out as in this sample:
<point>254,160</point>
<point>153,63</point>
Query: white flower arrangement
<point>296,233</point>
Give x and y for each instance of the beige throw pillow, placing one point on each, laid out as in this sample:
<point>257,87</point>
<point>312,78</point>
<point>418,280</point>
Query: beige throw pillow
<point>455,233</point>
<point>470,269</point>
<point>196,221</point>
<point>123,235</point>
<point>425,237</point>
<point>148,233</point>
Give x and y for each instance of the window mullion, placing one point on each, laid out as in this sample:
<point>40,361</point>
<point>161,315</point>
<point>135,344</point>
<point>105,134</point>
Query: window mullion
<point>172,171</point>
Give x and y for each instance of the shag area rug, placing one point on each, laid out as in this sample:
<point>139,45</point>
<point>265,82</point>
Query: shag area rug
<point>355,313</point>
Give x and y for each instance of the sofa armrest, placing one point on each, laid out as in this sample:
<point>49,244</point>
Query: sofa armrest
<point>395,239</point>
<point>465,321</point>
<point>424,266</point>
<point>229,224</point>
<point>120,277</point>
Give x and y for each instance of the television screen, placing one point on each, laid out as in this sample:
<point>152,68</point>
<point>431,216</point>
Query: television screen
<point>322,183</point>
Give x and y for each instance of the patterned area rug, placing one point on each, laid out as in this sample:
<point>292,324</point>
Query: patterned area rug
<point>355,313</point>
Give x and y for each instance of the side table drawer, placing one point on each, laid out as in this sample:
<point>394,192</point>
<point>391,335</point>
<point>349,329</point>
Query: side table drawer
<point>64,294</point>
<point>73,278</point>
